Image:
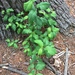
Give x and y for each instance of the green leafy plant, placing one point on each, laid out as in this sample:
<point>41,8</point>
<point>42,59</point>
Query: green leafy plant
<point>38,24</point>
<point>12,43</point>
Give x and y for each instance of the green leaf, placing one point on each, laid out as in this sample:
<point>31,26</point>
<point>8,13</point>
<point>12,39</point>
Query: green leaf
<point>33,58</point>
<point>52,22</point>
<point>43,5</point>
<point>38,22</point>
<point>5,18</point>
<point>26,31</point>
<point>33,72</point>
<point>10,44</point>
<point>30,74</point>
<point>26,17</point>
<point>7,40</point>
<point>24,42</point>
<point>54,29</point>
<point>19,30</point>
<point>39,74</point>
<point>12,18</point>
<point>26,50</point>
<point>44,21</point>
<point>13,26</point>
<point>15,45</point>
<point>49,29</point>
<point>40,51</point>
<point>16,41</point>
<point>20,14</point>
<point>44,34</point>
<point>28,5</point>
<point>51,36</point>
<point>53,14</point>
<point>39,42</point>
<point>8,25</point>
<point>9,10</point>
<point>3,11</point>
<point>46,41</point>
<point>31,66</point>
<point>35,36</point>
<point>48,10</point>
<point>50,51</point>
<point>32,16</point>
<point>40,65</point>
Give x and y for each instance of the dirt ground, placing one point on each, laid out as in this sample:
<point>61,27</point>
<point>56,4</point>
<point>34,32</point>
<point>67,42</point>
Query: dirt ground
<point>18,60</point>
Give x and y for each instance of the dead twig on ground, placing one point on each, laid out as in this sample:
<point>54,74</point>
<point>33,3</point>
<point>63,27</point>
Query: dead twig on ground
<point>6,66</point>
<point>49,66</point>
<point>66,62</point>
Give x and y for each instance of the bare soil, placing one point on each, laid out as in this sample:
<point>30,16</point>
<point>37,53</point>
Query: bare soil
<point>18,60</point>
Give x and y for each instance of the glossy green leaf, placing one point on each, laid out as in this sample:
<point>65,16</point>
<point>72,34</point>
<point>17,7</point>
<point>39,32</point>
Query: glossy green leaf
<point>15,45</point>
<point>7,40</point>
<point>49,29</point>
<point>31,66</point>
<point>43,5</point>
<point>50,51</point>
<point>33,72</point>
<point>39,42</point>
<point>33,58</point>
<point>55,29</point>
<point>5,18</point>
<point>26,17</point>
<point>9,10</point>
<point>39,74</point>
<point>28,5</point>
<point>53,14</point>
<point>10,44</point>
<point>26,31</point>
<point>8,26</point>
<point>48,10</point>
<point>35,36</point>
<point>39,23</point>
<point>52,22</point>
<point>19,30</point>
<point>44,21</point>
<point>30,74</point>
<point>24,42</point>
<point>16,41</point>
<point>46,41</point>
<point>13,26</point>
<point>40,51</point>
<point>12,18</point>
<point>40,65</point>
<point>3,11</point>
<point>50,35</point>
<point>32,16</point>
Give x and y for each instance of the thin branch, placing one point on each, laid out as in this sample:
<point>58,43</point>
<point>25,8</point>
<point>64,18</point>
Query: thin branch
<point>66,62</point>
<point>49,66</point>
<point>6,66</point>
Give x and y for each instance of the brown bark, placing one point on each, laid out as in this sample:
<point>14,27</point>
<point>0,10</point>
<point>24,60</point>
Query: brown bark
<point>64,19</point>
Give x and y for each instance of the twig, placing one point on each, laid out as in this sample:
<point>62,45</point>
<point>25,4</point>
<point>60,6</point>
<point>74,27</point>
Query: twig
<point>49,66</point>
<point>66,62</point>
<point>6,66</point>
<point>1,65</point>
<point>59,54</point>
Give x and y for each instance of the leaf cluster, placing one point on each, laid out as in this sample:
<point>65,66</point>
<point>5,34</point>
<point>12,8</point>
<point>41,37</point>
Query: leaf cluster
<point>40,27</point>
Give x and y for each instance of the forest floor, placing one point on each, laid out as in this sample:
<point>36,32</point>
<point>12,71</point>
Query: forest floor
<point>16,59</point>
